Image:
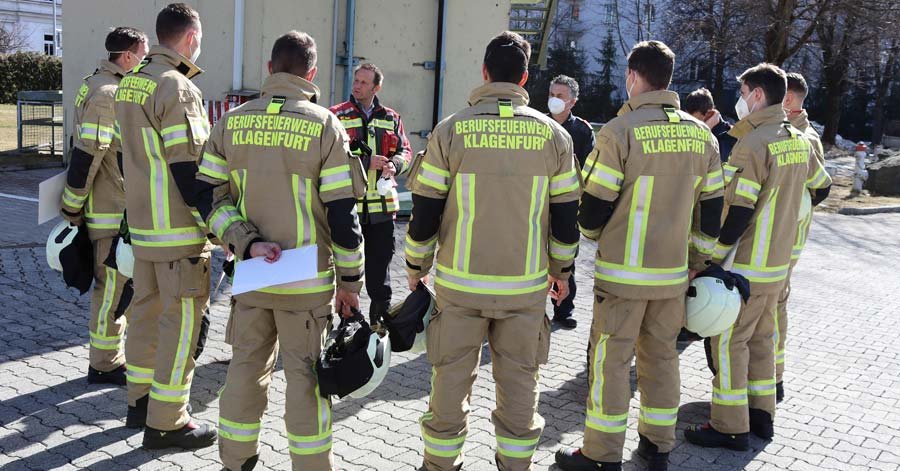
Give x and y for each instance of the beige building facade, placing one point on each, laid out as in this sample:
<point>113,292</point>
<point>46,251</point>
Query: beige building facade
<point>397,35</point>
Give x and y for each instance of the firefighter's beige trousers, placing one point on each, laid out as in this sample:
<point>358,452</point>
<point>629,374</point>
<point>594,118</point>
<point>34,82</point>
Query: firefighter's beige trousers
<point>621,327</point>
<point>170,298</point>
<point>255,335</point>
<point>781,327</point>
<point>110,303</point>
<point>744,359</point>
<point>519,342</point>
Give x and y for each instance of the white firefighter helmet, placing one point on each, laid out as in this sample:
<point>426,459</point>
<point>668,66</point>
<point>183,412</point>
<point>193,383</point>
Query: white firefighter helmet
<point>125,258</point>
<point>378,352</point>
<point>711,307</point>
<point>62,236</point>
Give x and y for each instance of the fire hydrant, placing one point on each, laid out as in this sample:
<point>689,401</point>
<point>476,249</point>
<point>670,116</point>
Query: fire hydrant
<point>860,174</point>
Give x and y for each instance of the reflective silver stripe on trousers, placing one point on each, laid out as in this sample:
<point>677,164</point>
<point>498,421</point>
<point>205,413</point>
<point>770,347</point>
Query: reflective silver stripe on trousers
<point>540,189</point>
<point>657,416</point>
<point>517,448</point>
<point>238,431</point>
<point>314,444</point>
<point>639,219</point>
<point>465,216</point>
<point>436,447</point>
<point>496,284</point>
<point>761,387</point>
<point>169,393</point>
<point>729,397</point>
<point>187,329</point>
<point>724,359</point>
<point>159,183</point>
<point>607,423</point>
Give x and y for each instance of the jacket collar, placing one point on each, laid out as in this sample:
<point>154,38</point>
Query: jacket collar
<point>655,98</point>
<point>175,60</point>
<point>493,91</point>
<point>800,120</point>
<point>290,86</point>
<point>769,115</point>
<point>111,67</point>
<point>376,104</point>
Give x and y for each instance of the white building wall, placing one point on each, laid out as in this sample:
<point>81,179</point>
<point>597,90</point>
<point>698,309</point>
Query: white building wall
<point>34,18</point>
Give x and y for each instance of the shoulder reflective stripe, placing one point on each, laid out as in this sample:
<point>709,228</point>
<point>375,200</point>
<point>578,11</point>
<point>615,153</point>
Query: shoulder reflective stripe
<point>334,178</point>
<point>434,177</point>
<point>637,221</point>
<point>639,276</point>
<point>714,181</point>
<point>533,253</point>
<point>605,177</point>
<point>275,105</point>
<point>607,423</point>
<point>505,108</point>
<point>762,387</point>
<point>560,251</point>
<point>465,206</point>
<point>443,447</point>
<point>728,172</point>
<point>306,224</point>
<point>564,183</point>
<point>351,123</point>
<point>516,447</point>
<point>348,258</point>
<point>595,405</point>
<point>186,331</point>
<point>729,397</point>
<point>309,444</point>
<point>418,250</point>
<point>671,114</point>
<point>214,166</point>
<point>383,124</point>
<point>238,432</point>
<point>488,284</point>
<point>174,237</point>
<point>323,283</point>
<point>704,244</point>
<point>222,218</point>
<point>138,375</point>
<point>169,393</point>
<point>748,189</point>
<point>173,135</point>
<point>159,179</point>
<point>762,274</point>
<point>659,417</point>
<point>762,237</point>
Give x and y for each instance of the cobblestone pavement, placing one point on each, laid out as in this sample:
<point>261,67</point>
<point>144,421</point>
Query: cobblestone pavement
<point>843,376</point>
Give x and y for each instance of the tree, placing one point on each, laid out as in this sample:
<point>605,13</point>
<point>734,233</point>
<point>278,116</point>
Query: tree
<point>13,37</point>
<point>789,25</point>
<point>603,85</point>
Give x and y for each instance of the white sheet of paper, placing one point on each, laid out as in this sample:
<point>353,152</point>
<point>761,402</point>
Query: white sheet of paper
<point>728,262</point>
<point>49,194</point>
<point>294,265</point>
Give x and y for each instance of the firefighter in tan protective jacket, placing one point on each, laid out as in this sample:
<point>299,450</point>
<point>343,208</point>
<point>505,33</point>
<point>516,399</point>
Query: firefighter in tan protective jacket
<point>654,167</point>
<point>95,194</point>
<point>770,168</point>
<point>277,174</point>
<point>163,125</point>
<point>494,207</point>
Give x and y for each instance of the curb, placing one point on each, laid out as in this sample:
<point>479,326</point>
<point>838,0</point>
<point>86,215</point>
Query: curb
<point>867,211</point>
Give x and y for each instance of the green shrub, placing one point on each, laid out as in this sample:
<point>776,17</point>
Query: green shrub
<point>24,71</point>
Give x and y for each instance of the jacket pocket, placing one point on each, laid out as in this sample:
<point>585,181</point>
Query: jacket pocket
<point>433,338</point>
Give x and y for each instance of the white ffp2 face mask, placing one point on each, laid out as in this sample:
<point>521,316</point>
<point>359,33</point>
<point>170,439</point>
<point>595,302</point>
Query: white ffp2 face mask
<point>741,108</point>
<point>556,105</point>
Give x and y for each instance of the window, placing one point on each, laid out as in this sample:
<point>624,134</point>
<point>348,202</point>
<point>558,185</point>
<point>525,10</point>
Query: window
<point>49,45</point>
<point>608,17</point>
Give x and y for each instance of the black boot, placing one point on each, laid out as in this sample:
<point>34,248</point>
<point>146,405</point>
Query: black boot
<point>116,376</point>
<point>137,414</point>
<point>571,459</point>
<point>656,461</point>
<point>706,436</point>
<point>189,437</point>
<point>761,424</point>
<point>686,336</point>
<point>779,392</point>
<point>566,322</point>
<point>248,465</point>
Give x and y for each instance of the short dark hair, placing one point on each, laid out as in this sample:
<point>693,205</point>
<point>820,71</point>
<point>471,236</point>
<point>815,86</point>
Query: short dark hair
<point>797,84</point>
<point>379,76</point>
<point>174,20</point>
<point>770,78</point>
<point>123,38</point>
<point>295,53</point>
<point>654,62</point>
<point>699,101</point>
<point>506,57</point>
<point>567,81</point>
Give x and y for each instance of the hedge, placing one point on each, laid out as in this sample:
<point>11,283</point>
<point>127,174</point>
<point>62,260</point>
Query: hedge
<point>25,71</point>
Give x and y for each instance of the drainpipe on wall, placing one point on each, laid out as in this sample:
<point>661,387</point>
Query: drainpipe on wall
<point>439,63</point>
<point>350,37</point>
<point>237,74</point>
<point>334,50</point>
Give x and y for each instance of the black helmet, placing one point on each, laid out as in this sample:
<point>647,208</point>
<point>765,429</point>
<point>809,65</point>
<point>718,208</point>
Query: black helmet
<point>355,359</point>
<point>406,322</point>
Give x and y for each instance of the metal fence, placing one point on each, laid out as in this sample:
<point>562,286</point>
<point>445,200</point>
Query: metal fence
<point>40,121</point>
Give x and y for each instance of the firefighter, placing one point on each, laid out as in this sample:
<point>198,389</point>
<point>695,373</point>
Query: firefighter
<point>770,167</point>
<point>381,129</point>
<point>654,167</point>
<point>95,194</point>
<point>495,203</point>
<point>793,105</point>
<point>699,103</point>
<point>163,125</point>
<point>277,174</point>
<point>563,96</point>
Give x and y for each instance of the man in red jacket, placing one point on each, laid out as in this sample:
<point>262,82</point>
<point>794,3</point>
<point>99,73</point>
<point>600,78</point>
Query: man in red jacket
<point>381,129</point>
